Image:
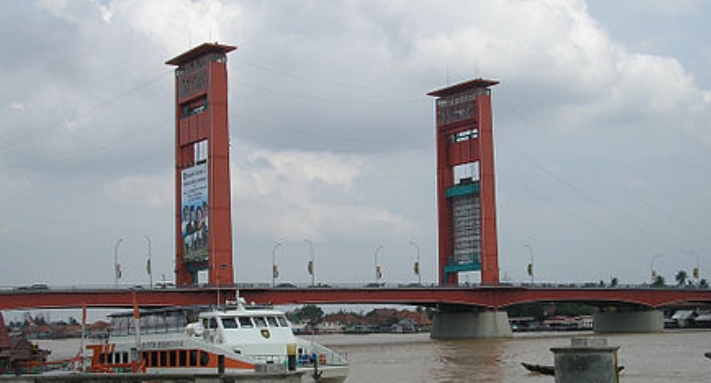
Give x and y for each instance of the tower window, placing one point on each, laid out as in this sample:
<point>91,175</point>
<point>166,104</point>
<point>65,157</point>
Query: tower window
<point>466,173</point>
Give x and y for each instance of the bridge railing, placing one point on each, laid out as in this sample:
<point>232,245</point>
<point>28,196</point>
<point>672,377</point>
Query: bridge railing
<point>350,285</point>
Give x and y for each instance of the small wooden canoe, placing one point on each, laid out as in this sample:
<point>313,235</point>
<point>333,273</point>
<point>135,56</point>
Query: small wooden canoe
<point>550,370</point>
<point>540,369</point>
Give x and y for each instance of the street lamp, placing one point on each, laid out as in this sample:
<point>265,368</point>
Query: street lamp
<point>117,267</point>
<point>311,266</point>
<point>651,267</point>
<point>417,262</point>
<point>149,263</point>
<point>530,265</point>
<point>378,274</point>
<point>696,269</point>
<point>275,270</point>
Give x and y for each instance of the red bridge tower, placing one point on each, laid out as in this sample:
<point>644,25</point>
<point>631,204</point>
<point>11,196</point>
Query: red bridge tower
<point>466,196</point>
<point>203,232</point>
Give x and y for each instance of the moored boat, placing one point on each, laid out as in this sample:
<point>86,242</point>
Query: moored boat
<point>549,370</point>
<point>231,339</point>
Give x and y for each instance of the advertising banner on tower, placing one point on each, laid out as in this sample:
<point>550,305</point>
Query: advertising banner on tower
<point>194,207</point>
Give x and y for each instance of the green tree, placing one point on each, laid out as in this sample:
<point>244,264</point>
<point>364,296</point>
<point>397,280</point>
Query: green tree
<point>659,281</point>
<point>614,281</point>
<point>310,313</point>
<point>704,284</point>
<point>681,278</point>
<point>533,310</point>
<point>539,310</point>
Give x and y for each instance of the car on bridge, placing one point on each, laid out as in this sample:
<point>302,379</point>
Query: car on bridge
<point>35,286</point>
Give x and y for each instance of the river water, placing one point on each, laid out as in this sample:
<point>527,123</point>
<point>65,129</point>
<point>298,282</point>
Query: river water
<point>669,357</point>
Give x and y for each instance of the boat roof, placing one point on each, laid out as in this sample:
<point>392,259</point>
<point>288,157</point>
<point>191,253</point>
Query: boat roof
<point>222,310</point>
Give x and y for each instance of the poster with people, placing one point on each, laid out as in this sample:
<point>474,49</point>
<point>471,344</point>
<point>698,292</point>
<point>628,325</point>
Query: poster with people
<point>194,216</point>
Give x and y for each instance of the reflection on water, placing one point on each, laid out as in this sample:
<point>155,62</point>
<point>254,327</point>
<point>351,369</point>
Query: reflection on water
<point>460,360</point>
<point>676,356</point>
<point>389,358</point>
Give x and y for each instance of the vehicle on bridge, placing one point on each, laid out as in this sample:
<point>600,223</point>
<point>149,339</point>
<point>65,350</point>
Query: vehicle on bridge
<point>232,339</point>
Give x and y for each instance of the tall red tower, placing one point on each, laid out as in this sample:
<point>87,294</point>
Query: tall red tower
<point>466,195</point>
<point>202,166</point>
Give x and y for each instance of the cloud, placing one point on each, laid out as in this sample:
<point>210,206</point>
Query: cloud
<point>153,191</point>
<point>292,194</point>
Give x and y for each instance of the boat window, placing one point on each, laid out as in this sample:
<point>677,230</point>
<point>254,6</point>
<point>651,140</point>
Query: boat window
<point>245,322</point>
<point>260,322</point>
<point>119,326</point>
<point>132,326</point>
<point>193,358</point>
<point>204,358</point>
<point>272,322</point>
<point>229,323</point>
<point>163,358</point>
<point>154,358</point>
<point>283,322</point>
<point>183,358</point>
<point>178,321</point>
<point>150,324</point>
<point>172,357</point>
<point>124,356</point>
<point>213,323</point>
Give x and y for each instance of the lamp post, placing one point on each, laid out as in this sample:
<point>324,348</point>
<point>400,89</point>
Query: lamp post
<point>149,263</point>
<point>651,267</point>
<point>311,267</point>
<point>378,274</point>
<point>530,265</point>
<point>117,267</point>
<point>696,269</point>
<point>275,270</point>
<point>417,262</point>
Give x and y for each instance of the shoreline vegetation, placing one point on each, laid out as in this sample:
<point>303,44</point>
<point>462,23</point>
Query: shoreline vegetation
<point>311,319</point>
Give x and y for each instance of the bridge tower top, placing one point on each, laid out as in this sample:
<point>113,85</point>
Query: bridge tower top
<point>466,195</point>
<point>203,224</point>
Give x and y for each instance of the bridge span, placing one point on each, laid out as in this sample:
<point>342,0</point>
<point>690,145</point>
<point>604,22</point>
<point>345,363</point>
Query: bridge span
<point>461,312</point>
<point>482,297</point>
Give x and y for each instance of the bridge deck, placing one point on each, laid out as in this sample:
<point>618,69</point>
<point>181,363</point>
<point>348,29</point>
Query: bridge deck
<point>497,297</point>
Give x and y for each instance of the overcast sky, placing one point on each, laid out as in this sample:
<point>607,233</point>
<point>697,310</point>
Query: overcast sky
<point>602,126</point>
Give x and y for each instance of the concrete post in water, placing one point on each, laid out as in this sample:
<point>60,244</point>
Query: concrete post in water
<point>628,321</point>
<point>456,322</point>
<point>587,360</point>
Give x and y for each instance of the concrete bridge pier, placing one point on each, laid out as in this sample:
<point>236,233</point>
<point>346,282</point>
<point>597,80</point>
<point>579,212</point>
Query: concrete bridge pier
<point>462,322</point>
<point>628,321</point>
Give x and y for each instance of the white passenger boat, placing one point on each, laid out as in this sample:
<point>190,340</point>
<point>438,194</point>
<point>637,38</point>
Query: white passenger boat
<point>231,339</point>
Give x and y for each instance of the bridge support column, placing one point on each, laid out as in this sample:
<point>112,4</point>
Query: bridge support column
<point>643,321</point>
<point>456,322</point>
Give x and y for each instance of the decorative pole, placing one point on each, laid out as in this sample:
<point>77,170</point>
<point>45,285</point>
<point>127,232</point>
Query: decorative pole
<point>417,263</point>
<point>651,267</point>
<point>117,266</point>
<point>378,274</point>
<point>311,267</point>
<point>275,270</point>
<point>149,263</point>
<point>530,265</point>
